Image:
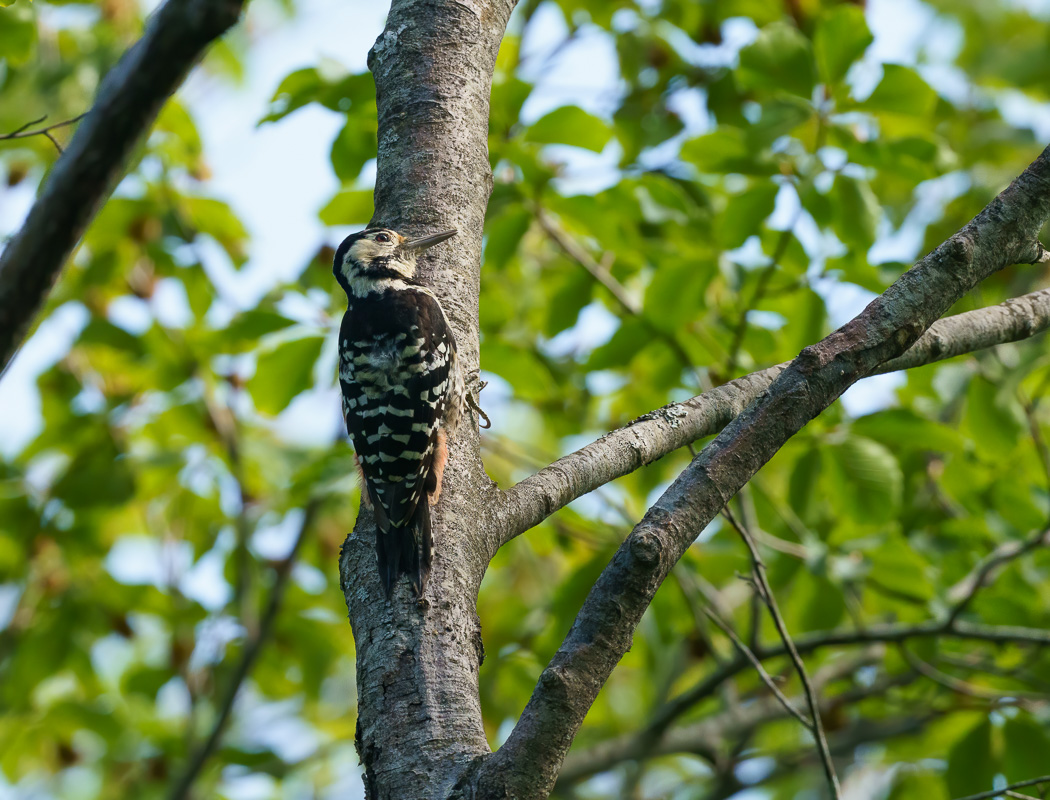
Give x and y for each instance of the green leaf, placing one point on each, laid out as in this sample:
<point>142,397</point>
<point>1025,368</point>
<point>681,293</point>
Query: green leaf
<point>903,430</point>
<point>217,219</point>
<point>1026,748</point>
<point>97,476</point>
<point>857,212</point>
<point>570,125</point>
<point>869,488</point>
<point>349,207</point>
<point>250,326</point>
<point>503,235</point>
<point>284,371</point>
<point>918,786</point>
<point>354,147</point>
<point>779,59</point>
<point>745,213</point>
<point>841,38</point>
<point>330,86</point>
<point>994,419</point>
<point>529,376</point>
<point>17,34</point>
<point>725,149</point>
<point>780,116</point>
<point>972,766</point>
<point>901,91</point>
<point>897,567</point>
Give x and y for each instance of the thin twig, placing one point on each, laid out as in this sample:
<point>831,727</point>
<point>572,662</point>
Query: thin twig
<point>1041,449</point>
<point>1000,792</point>
<point>22,133</point>
<point>251,651</point>
<point>762,582</point>
<point>960,686</point>
<point>600,271</point>
<point>740,329</point>
<point>767,679</point>
<point>580,255</point>
<point>1005,553</point>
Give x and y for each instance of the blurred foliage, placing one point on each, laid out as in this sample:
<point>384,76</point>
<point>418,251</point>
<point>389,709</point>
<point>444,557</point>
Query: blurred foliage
<point>749,176</point>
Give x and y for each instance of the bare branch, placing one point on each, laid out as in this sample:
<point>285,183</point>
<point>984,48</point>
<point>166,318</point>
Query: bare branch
<point>758,569</point>
<point>22,133</point>
<point>600,272</point>
<point>244,666</point>
<point>966,589</point>
<point>1005,789</point>
<point>767,679</point>
<point>1003,233</point>
<point>579,254</point>
<point>704,736</point>
<point>654,435</point>
<point>127,103</point>
<point>762,285</point>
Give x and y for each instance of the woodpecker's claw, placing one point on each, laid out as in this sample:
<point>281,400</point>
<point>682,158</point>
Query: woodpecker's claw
<point>473,397</point>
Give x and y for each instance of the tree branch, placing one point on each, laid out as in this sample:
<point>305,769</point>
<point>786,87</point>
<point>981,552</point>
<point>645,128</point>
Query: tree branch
<point>969,586</point>
<point>654,435</point>
<point>582,764</point>
<point>22,133</point>
<point>244,667</point>
<point>127,103</point>
<point>708,735</point>
<point>601,273</point>
<point>1004,233</point>
<point>758,569</point>
<point>1006,789</point>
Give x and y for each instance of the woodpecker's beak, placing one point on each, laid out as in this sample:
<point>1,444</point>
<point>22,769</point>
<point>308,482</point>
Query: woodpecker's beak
<point>421,244</point>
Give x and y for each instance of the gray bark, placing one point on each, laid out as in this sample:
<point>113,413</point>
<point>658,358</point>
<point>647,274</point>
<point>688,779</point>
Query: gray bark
<point>128,101</point>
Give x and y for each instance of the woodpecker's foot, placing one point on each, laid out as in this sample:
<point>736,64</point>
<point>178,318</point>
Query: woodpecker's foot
<point>440,459</point>
<point>474,387</point>
<point>365,499</point>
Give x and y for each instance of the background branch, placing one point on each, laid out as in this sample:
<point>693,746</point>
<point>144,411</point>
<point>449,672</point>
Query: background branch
<point>282,571</point>
<point>1005,789</point>
<point>22,133</point>
<point>969,586</point>
<point>128,101</point>
<point>765,591</point>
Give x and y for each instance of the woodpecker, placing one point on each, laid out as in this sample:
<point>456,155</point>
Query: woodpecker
<point>403,392</point>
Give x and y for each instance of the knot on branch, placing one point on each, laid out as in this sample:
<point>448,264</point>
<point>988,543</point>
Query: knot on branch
<point>647,548</point>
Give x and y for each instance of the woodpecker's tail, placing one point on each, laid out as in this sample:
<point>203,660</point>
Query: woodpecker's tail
<point>406,549</point>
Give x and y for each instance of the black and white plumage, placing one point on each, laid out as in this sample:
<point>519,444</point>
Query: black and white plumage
<point>402,392</point>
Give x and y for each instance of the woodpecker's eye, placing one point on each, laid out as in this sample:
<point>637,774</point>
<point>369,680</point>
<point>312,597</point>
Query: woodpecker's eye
<point>382,237</point>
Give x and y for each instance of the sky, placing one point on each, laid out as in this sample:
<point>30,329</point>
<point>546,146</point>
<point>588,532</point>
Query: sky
<point>277,176</point>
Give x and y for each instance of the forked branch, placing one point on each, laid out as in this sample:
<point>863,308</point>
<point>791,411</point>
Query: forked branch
<point>654,435</point>
<point>1004,233</point>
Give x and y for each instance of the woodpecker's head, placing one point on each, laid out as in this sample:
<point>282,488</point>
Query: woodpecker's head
<point>377,259</point>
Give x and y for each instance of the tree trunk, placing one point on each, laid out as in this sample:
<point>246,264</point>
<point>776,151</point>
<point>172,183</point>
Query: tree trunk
<point>419,718</point>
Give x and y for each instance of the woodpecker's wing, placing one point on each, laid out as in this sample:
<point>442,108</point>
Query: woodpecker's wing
<point>395,393</point>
